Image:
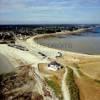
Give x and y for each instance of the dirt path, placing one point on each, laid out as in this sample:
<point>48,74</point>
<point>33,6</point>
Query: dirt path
<point>64,87</point>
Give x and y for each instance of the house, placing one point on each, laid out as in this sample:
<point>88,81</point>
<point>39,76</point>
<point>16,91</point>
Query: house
<point>54,66</point>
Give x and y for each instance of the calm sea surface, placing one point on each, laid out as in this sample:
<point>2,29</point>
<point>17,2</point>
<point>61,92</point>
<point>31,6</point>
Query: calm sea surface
<point>88,42</point>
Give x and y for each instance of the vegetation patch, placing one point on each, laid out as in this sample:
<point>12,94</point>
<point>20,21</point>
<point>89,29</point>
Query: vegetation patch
<point>80,72</point>
<point>56,87</point>
<point>73,89</point>
<point>98,81</point>
<point>16,85</point>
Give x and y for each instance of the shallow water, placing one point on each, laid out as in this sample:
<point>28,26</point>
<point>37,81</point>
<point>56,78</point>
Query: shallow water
<point>88,43</point>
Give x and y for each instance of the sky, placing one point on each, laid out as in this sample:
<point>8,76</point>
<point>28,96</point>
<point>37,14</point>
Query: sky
<point>49,11</point>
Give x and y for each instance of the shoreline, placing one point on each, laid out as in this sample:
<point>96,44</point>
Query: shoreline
<point>76,32</point>
<point>73,54</point>
<point>31,59</point>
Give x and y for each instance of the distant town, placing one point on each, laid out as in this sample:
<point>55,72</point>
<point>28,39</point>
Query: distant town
<point>7,32</point>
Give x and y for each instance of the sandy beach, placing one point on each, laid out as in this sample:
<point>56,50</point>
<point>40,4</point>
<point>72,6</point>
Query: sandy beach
<point>32,42</point>
<point>16,58</point>
<point>5,65</point>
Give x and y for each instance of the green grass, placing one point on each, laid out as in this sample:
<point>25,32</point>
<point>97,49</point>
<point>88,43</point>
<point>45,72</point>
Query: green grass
<point>73,89</point>
<point>55,87</point>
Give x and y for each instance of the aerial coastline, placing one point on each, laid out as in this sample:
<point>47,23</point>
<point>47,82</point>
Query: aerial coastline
<point>51,70</point>
<point>77,32</point>
<point>49,49</point>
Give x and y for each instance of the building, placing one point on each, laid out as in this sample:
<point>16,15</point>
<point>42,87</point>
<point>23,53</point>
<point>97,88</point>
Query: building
<point>54,66</point>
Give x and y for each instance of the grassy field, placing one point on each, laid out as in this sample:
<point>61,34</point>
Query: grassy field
<point>91,69</point>
<point>89,89</point>
<point>54,83</point>
<point>89,81</point>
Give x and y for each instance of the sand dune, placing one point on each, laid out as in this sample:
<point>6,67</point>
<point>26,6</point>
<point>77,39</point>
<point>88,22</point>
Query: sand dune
<point>5,65</point>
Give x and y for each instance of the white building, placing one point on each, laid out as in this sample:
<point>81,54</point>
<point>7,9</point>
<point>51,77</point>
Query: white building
<point>54,66</point>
